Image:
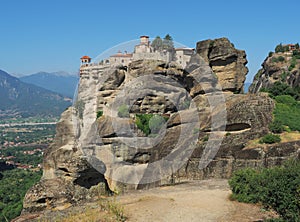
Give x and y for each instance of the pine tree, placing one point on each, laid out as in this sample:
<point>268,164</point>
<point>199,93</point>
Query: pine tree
<point>168,43</point>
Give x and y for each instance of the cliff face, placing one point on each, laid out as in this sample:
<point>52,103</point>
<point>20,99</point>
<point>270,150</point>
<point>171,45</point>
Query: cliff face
<point>277,67</point>
<point>197,130</point>
<point>227,62</point>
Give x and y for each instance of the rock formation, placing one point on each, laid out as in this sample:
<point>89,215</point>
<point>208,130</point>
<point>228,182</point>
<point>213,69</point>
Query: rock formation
<point>203,132</point>
<point>227,62</point>
<point>277,67</point>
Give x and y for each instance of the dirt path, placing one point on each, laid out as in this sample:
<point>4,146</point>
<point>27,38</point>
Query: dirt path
<point>194,201</point>
<point>199,201</point>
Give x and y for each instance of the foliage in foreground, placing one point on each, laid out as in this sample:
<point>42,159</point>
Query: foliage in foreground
<point>13,187</point>
<point>277,188</point>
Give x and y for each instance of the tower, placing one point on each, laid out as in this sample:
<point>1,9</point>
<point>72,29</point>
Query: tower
<point>144,40</point>
<point>85,59</point>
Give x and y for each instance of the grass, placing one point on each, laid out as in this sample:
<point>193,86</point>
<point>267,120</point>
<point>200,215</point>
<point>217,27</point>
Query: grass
<point>106,210</point>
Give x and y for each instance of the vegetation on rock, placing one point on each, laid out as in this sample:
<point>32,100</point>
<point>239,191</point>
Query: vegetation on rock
<point>99,113</point>
<point>150,123</point>
<point>270,138</point>
<point>123,111</point>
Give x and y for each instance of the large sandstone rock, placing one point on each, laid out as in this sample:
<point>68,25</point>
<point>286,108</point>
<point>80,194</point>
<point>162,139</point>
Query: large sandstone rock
<point>203,129</point>
<point>227,62</point>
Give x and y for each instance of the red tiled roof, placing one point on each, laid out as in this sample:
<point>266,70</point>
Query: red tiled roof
<point>85,57</point>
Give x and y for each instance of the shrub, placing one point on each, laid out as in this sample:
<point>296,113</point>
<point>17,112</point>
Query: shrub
<point>280,88</point>
<point>123,111</point>
<point>205,138</point>
<point>277,188</point>
<point>99,113</point>
<point>277,126</point>
<point>150,123</point>
<point>270,138</point>
<point>287,111</point>
<point>284,75</point>
<point>271,54</point>
<point>286,99</point>
<point>278,59</point>
<point>281,48</point>
<point>281,59</point>
<point>296,54</point>
<point>243,186</point>
<point>79,106</point>
<point>293,63</point>
<point>156,123</point>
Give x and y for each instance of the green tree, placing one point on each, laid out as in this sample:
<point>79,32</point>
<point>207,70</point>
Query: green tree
<point>279,48</point>
<point>168,43</point>
<point>157,43</point>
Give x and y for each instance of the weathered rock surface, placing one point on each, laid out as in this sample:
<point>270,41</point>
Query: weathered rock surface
<point>276,67</point>
<point>227,62</point>
<point>203,126</point>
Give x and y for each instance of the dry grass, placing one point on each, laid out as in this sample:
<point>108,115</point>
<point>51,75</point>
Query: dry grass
<point>285,137</point>
<point>289,136</point>
<point>105,210</point>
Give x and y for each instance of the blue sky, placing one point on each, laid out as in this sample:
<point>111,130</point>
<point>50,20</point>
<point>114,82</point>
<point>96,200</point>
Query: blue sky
<point>40,35</point>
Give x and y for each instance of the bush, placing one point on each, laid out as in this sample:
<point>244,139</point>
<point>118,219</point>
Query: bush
<point>284,75</point>
<point>123,111</point>
<point>281,48</point>
<point>278,59</point>
<point>287,111</point>
<point>99,113</point>
<point>150,123</point>
<point>271,54</point>
<point>280,88</point>
<point>270,138</point>
<point>156,123</point>
<point>79,106</point>
<point>243,187</point>
<point>276,126</point>
<point>277,188</point>
<point>286,99</point>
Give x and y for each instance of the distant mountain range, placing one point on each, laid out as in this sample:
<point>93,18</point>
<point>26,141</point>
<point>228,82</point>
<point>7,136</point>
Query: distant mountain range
<point>19,99</point>
<point>59,82</point>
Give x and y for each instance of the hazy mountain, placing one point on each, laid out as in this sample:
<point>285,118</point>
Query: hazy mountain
<point>21,99</point>
<point>60,82</point>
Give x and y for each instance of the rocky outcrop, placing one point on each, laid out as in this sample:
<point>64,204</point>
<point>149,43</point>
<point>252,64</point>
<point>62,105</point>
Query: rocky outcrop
<point>227,62</point>
<point>277,67</point>
<point>67,175</point>
<point>197,130</point>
